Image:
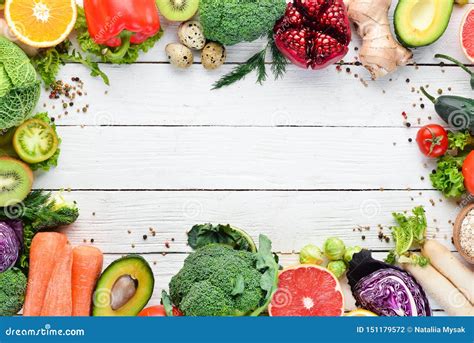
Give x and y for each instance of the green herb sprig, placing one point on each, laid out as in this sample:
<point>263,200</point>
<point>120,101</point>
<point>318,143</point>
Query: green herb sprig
<point>39,211</point>
<point>48,62</point>
<point>256,63</point>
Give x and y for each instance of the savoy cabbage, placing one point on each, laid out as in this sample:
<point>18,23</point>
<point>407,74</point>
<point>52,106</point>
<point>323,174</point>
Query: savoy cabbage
<point>19,86</point>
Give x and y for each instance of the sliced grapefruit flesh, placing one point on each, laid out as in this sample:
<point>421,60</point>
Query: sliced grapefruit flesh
<point>307,291</point>
<point>41,23</point>
<point>467,34</point>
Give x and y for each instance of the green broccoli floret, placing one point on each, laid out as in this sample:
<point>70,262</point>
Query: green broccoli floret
<point>233,21</point>
<point>12,292</point>
<point>217,280</point>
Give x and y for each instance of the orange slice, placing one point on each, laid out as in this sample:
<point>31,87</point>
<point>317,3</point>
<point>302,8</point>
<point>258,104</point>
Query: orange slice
<point>41,23</point>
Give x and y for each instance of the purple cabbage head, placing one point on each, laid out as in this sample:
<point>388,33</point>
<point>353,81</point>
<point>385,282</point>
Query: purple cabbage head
<point>11,240</point>
<point>385,289</point>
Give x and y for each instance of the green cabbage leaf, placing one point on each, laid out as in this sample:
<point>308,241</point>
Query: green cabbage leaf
<point>19,86</point>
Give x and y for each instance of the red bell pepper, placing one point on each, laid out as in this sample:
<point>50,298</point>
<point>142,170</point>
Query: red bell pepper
<point>117,23</point>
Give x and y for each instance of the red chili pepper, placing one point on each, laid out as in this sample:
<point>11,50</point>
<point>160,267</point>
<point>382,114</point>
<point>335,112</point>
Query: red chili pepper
<point>117,23</point>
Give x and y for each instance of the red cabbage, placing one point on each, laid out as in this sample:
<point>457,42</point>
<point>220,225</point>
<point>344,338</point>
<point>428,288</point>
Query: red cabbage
<point>11,240</point>
<point>384,289</point>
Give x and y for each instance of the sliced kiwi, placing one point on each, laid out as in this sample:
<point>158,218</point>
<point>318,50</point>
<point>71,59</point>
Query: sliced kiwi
<point>16,180</point>
<point>178,10</point>
<point>35,141</point>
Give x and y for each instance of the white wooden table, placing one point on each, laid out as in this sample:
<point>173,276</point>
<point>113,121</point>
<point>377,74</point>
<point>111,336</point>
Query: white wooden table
<point>317,154</point>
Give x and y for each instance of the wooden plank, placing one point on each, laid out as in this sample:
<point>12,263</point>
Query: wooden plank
<point>164,267</point>
<point>237,158</point>
<point>117,221</point>
<point>161,95</point>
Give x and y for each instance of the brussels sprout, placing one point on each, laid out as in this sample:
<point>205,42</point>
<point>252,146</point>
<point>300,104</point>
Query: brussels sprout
<point>334,249</point>
<point>338,268</point>
<point>350,252</point>
<point>311,254</point>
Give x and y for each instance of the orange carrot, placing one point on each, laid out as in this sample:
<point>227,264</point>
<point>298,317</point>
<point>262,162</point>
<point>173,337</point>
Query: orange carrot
<point>44,252</point>
<point>58,298</point>
<point>86,268</point>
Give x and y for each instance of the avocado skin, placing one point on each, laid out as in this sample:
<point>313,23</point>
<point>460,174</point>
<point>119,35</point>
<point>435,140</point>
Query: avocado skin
<point>400,14</point>
<point>114,271</point>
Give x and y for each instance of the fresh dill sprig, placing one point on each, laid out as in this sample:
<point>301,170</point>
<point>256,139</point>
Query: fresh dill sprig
<point>279,61</point>
<point>256,63</point>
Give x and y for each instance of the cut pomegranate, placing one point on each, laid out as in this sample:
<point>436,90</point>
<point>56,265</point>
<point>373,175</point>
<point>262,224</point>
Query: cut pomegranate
<point>313,33</point>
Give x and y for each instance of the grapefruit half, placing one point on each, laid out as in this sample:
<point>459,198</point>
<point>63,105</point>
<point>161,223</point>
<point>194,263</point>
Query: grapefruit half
<point>467,34</point>
<point>307,291</point>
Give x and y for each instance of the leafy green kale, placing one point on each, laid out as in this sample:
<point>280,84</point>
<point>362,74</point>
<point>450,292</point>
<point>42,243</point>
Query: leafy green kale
<point>217,280</point>
<point>88,45</point>
<point>201,235</point>
<point>448,177</point>
<point>410,232</point>
<point>40,211</point>
<point>12,292</point>
<point>48,62</point>
<point>233,21</point>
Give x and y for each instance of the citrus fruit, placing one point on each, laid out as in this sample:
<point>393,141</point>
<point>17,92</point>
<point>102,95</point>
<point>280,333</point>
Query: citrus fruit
<point>307,290</point>
<point>35,141</point>
<point>467,34</point>
<point>360,313</point>
<point>41,23</point>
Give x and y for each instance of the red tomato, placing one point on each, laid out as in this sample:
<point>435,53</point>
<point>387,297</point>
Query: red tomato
<point>432,140</point>
<point>468,172</point>
<point>158,311</point>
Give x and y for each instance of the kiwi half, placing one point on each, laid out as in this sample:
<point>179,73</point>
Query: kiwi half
<point>16,180</point>
<point>178,10</point>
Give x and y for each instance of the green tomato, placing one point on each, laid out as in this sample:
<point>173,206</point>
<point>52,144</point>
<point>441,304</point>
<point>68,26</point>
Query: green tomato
<point>350,252</point>
<point>338,268</point>
<point>311,254</point>
<point>334,249</point>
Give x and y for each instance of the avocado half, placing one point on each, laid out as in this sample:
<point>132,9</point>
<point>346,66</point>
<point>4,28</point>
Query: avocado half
<point>421,22</point>
<point>136,269</point>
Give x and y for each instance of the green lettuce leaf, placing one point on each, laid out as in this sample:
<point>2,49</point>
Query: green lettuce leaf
<point>411,231</point>
<point>48,62</point>
<point>459,140</point>
<point>448,177</point>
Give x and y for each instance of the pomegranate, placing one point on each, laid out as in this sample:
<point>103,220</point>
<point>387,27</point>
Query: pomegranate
<point>313,33</point>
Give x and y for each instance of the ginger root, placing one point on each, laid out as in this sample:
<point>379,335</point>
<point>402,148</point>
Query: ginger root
<point>380,53</point>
